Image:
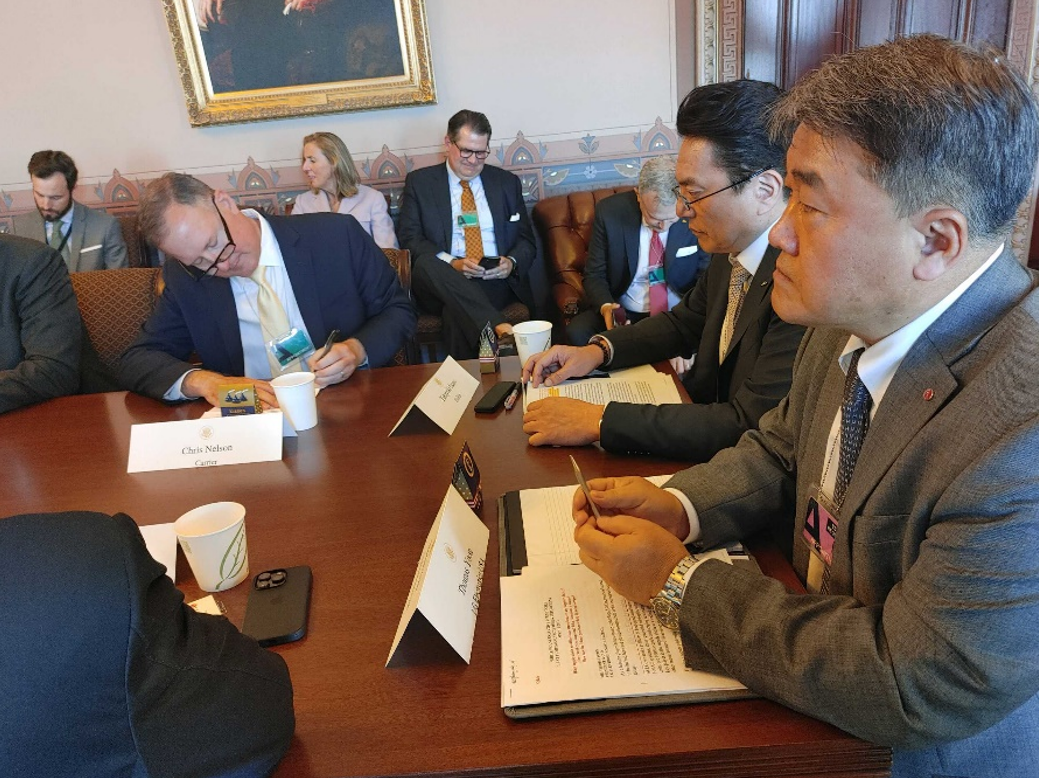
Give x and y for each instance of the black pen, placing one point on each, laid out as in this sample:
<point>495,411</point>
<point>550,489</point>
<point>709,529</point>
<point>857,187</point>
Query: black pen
<point>331,338</point>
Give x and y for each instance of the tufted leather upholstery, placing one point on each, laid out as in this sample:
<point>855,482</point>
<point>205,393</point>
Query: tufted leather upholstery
<point>565,225</point>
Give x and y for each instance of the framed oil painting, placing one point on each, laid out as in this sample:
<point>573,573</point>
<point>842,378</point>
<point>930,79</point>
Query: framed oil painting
<point>252,60</point>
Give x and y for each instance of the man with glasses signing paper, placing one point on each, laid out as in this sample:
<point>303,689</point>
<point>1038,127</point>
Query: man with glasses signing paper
<point>455,215</point>
<point>253,295</point>
<point>730,190</point>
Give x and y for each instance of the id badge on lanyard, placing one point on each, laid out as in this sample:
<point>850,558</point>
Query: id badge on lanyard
<point>290,347</point>
<point>819,533</point>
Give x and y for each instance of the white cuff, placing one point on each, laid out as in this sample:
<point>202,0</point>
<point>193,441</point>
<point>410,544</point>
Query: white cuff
<point>445,256</point>
<point>176,392</point>
<point>690,512</point>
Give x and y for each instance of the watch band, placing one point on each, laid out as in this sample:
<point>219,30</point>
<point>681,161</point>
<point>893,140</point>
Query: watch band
<point>668,601</point>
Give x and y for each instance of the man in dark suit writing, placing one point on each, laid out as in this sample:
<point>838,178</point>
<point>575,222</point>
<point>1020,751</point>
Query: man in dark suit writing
<point>641,258</point>
<point>902,463</point>
<point>253,295</point>
<point>454,215</point>
<point>734,173</point>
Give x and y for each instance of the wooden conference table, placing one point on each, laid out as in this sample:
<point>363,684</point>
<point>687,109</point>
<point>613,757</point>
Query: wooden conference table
<point>356,506</point>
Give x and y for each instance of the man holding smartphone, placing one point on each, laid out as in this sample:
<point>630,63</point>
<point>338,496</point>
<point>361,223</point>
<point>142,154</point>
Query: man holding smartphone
<point>469,235</point>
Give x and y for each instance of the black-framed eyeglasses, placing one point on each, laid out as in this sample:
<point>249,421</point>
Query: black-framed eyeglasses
<point>194,271</point>
<point>687,203</point>
<point>465,153</point>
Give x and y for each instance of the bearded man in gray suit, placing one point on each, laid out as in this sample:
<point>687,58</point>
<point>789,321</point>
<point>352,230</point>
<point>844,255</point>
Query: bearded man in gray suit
<point>87,239</point>
<point>903,459</point>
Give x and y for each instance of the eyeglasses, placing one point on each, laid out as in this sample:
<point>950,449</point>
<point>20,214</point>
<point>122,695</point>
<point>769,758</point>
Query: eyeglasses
<point>224,254</point>
<point>687,203</point>
<point>470,153</point>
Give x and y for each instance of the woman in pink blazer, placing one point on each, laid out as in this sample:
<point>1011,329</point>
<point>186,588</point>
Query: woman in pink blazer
<point>335,187</point>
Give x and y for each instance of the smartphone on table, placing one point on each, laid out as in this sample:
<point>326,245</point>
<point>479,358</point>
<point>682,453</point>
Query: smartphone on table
<point>278,605</point>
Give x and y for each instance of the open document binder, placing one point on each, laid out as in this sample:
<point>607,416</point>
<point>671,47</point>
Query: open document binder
<point>570,644</point>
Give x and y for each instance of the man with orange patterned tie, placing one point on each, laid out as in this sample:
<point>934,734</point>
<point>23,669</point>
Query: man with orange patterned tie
<point>471,243</point>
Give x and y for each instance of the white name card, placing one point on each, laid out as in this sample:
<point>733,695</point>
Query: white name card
<point>228,440</point>
<point>445,593</point>
<point>442,400</point>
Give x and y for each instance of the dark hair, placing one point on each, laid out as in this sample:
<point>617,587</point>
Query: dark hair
<point>940,123</point>
<point>44,164</point>
<point>477,123</point>
<point>733,117</point>
<point>159,195</point>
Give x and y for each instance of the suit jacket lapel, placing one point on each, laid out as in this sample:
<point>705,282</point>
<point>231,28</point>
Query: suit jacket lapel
<point>75,244</point>
<point>299,264</point>
<point>926,378</point>
<point>759,294</point>
<point>632,235</point>
<point>496,204</point>
<point>442,201</point>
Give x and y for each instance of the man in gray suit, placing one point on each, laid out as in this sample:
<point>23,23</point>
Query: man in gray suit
<point>903,459</point>
<point>87,239</point>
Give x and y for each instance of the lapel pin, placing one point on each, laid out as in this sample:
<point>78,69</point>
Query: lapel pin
<point>928,394</point>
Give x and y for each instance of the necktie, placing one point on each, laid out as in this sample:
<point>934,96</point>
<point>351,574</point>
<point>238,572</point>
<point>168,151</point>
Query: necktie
<point>274,323</point>
<point>854,426</point>
<point>657,282</point>
<point>56,236</point>
<point>473,237</point>
<point>737,291</point>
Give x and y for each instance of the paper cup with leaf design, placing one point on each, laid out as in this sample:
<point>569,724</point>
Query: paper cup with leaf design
<point>213,539</point>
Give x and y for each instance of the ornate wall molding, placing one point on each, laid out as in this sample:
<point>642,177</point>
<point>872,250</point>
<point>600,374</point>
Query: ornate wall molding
<point>1023,53</point>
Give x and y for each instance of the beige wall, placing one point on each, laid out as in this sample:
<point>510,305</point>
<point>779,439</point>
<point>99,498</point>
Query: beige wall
<point>109,94</point>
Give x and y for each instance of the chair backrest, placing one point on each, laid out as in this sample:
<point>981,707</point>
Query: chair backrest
<point>400,261</point>
<point>565,225</point>
<point>114,304</point>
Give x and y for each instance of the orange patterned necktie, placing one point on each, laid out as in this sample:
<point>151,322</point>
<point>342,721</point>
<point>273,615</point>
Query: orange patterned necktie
<point>473,236</point>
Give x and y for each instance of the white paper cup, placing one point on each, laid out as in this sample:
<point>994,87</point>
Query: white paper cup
<point>213,539</point>
<point>531,337</point>
<point>296,396</point>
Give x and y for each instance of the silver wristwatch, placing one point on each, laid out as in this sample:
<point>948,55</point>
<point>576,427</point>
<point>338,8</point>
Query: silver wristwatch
<point>668,602</point>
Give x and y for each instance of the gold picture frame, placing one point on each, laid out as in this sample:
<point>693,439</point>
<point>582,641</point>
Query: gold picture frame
<point>254,60</point>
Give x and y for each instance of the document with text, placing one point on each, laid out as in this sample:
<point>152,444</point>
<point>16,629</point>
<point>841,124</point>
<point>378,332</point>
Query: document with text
<point>548,523</point>
<point>638,385</point>
<point>568,638</point>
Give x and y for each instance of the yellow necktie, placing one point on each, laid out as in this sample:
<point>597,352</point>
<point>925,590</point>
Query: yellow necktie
<point>473,236</point>
<point>274,323</point>
<point>737,291</point>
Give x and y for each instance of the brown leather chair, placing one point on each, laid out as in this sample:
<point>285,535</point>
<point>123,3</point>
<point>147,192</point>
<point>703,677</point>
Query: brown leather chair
<point>113,304</point>
<point>565,225</point>
<point>400,261</point>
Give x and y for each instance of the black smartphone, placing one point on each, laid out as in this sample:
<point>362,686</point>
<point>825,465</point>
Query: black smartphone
<point>620,317</point>
<point>278,605</point>
<point>490,263</point>
<point>495,397</point>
